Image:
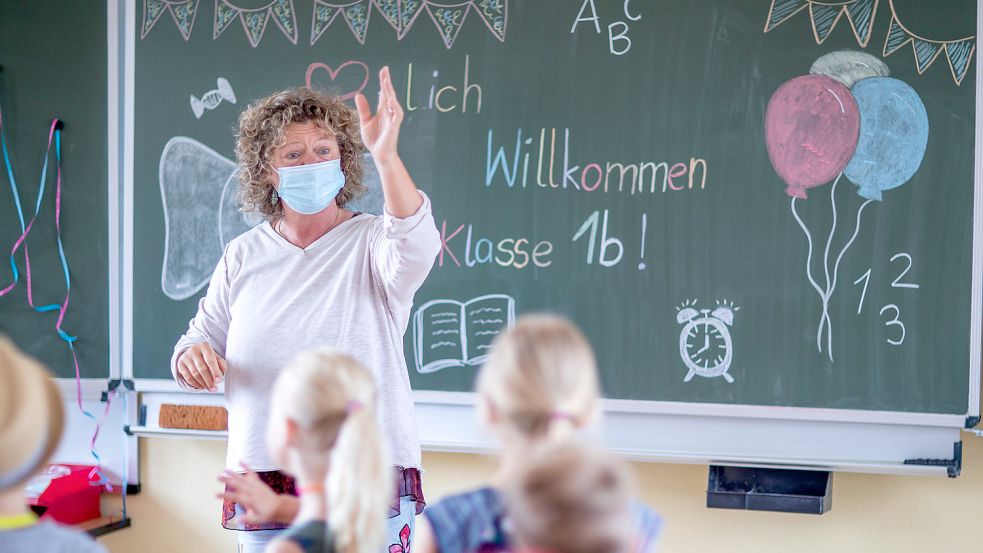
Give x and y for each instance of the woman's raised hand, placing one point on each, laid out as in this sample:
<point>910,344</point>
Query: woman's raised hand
<point>202,368</point>
<point>380,132</point>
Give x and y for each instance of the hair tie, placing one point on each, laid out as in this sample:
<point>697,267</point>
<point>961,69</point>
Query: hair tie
<point>354,406</point>
<point>562,415</point>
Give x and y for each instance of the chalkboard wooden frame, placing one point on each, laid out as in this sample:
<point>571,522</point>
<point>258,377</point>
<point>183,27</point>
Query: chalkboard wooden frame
<point>763,436</point>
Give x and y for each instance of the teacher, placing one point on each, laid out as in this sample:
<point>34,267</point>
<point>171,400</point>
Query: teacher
<point>314,274</point>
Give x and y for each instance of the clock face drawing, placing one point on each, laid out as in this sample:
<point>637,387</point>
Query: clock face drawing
<point>705,344</point>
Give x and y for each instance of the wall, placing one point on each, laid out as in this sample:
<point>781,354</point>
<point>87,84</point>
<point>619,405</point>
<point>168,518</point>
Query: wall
<point>178,511</point>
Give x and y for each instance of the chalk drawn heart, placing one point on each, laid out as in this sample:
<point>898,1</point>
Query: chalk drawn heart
<point>333,73</point>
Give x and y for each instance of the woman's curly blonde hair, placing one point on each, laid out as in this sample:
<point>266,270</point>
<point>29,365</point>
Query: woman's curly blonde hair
<point>262,129</point>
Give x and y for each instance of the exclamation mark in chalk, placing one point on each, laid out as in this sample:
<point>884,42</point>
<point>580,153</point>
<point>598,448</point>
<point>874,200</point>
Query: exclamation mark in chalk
<point>641,264</point>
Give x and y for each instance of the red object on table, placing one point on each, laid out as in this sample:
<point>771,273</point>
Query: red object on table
<point>69,498</point>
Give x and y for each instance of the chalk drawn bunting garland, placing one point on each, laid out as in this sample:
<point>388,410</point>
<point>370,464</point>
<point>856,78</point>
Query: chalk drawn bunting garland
<point>254,21</point>
<point>182,12</point>
<point>958,52</point>
<point>824,16</point>
<point>402,14</point>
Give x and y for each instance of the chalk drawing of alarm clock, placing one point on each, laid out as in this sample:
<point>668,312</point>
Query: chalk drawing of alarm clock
<point>705,345</point>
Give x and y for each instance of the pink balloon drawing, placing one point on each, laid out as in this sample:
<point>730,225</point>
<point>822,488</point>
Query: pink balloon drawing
<point>811,130</point>
<point>815,129</point>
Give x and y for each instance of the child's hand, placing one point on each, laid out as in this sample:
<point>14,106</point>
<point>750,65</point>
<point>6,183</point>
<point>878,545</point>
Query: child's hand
<point>261,503</point>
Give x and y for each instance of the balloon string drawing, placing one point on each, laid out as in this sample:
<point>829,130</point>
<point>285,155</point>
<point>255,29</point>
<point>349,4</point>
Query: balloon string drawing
<point>846,118</point>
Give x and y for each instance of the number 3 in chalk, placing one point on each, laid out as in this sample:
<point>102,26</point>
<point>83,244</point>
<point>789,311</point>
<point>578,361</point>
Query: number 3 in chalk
<point>894,322</point>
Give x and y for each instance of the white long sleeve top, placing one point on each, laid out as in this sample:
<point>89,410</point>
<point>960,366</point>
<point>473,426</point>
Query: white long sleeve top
<point>352,289</point>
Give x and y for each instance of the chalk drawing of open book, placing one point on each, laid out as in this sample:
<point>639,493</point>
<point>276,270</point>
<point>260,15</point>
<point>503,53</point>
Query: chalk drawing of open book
<point>448,333</point>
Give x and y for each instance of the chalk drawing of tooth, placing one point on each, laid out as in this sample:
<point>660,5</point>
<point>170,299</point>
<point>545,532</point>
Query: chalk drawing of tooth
<point>197,190</point>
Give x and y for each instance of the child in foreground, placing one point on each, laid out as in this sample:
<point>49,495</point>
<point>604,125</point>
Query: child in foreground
<point>31,423</point>
<point>538,387</point>
<point>570,499</point>
<point>323,431</point>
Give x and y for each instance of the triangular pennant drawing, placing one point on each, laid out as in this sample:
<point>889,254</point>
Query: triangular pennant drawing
<point>357,17</point>
<point>861,17</point>
<point>495,15</point>
<point>859,13</point>
<point>408,12</point>
<point>224,16</point>
<point>958,52</point>
<point>152,10</point>
<point>449,20</point>
<point>324,15</point>
<point>824,18</point>
<point>925,53</point>
<point>183,13</point>
<point>959,55</point>
<point>825,15</point>
<point>782,10</point>
<point>390,11</point>
<point>254,22</point>
<point>286,18</point>
<point>896,37</point>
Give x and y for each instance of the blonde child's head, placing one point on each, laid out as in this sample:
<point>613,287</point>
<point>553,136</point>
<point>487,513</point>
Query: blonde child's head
<point>540,380</point>
<point>324,408</point>
<point>570,499</point>
<point>31,417</point>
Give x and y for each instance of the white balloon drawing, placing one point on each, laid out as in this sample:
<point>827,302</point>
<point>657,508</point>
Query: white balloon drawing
<point>198,189</point>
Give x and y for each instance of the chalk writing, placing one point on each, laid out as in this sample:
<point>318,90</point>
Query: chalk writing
<point>548,173</point>
<point>619,43</point>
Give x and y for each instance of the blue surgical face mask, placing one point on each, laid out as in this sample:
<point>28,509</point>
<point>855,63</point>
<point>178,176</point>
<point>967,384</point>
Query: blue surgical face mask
<point>308,189</point>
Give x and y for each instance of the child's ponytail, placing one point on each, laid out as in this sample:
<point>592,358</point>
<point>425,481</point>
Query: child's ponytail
<point>332,399</point>
<point>360,482</point>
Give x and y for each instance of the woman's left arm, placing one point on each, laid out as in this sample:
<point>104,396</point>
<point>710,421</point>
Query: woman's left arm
<point>405,250</point>
<point>380,133</point>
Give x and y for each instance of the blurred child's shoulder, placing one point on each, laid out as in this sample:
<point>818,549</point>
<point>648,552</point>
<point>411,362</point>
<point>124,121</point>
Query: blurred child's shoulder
<point>45,537</point>
<point>479,499</point>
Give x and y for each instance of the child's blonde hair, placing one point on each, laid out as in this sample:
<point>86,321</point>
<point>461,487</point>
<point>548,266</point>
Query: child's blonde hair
<point>331,398</point>
<point>541,378</point>
<point>571,499</point>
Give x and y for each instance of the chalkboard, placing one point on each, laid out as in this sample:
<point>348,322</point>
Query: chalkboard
<point>53,58</point>
<point>609,161</point>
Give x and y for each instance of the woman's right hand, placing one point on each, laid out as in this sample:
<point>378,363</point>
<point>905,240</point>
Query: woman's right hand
<point>260,502</point>
<point>202,368</point>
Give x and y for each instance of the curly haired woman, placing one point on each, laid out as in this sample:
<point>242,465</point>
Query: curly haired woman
<point>314,274</point>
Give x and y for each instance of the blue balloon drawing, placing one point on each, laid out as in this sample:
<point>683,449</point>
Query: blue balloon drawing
<point>893,136</point>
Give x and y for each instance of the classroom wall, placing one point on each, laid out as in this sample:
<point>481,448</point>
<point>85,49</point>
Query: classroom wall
<point>177,510</point>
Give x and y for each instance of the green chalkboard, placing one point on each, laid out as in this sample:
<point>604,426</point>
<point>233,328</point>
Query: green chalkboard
<point>53,58</point>
<point>528,123</point>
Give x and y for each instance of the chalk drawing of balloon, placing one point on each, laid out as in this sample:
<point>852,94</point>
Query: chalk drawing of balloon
<point>813,121</point>
<point>848,67</point>
<point>811,129</point>
<point>893,136</point>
